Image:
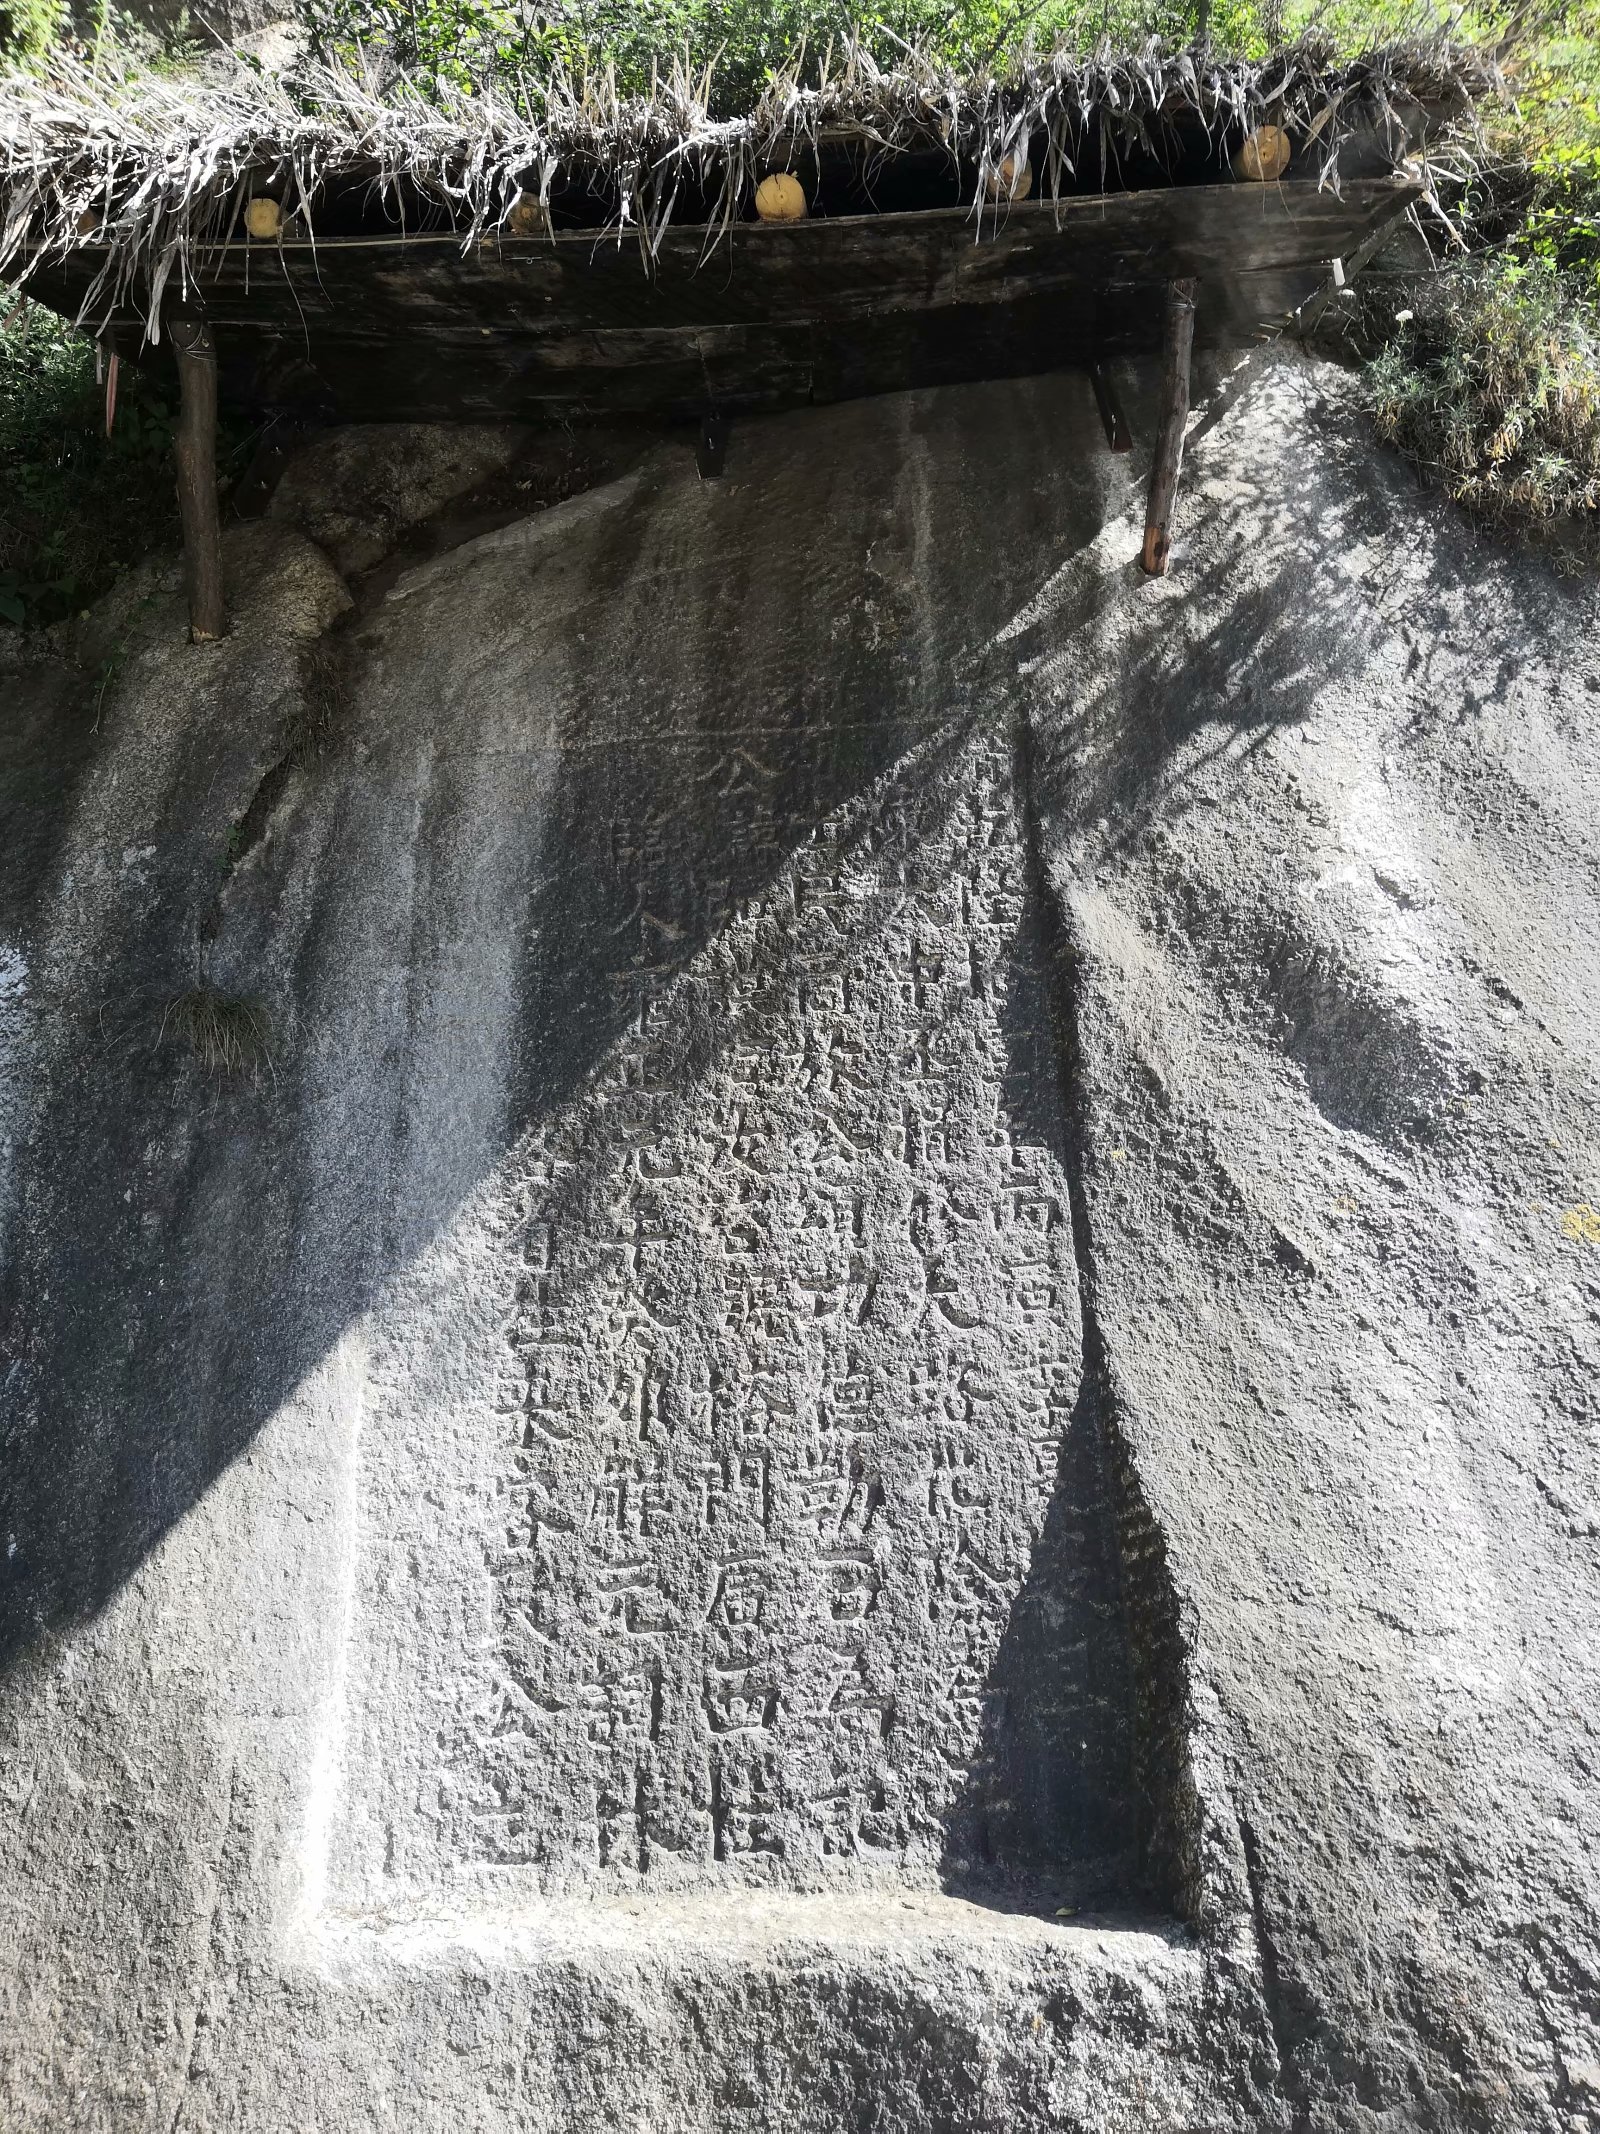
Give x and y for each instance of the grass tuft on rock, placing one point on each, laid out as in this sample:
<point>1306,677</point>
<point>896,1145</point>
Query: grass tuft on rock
<point>226,1034</point>
<point>319,708</point>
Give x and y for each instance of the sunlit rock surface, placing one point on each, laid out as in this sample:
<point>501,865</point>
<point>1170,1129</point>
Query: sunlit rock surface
<point>868,1404</point>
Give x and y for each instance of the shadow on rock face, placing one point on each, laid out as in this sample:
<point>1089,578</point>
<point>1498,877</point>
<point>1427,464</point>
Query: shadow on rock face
<point>582,759</point>
<point>1049,1818</point>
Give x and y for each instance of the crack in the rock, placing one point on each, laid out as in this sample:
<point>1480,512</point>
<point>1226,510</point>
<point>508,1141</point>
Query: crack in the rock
<point>208,1963</point>
<point>320,697</point>
<point>1291,2078</point>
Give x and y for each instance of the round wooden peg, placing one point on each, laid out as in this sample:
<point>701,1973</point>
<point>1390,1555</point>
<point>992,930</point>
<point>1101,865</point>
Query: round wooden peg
<point>1011,179</point>
<point>780,197</point>
<point>525,217</point>
<point>1265,156</point>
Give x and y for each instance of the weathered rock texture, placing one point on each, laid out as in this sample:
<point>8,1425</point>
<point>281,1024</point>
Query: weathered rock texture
<point>872,1407</point>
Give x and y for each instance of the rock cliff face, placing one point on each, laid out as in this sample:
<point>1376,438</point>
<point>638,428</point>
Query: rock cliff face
<point>799,1302</point>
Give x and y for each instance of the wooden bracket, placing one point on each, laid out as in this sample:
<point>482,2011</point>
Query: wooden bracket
<point>195,445</point>
<point>712,450</point>
<point>1168,464</point>
<point>1118,436</point>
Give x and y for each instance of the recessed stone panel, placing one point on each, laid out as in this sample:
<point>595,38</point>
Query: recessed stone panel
<point>770,1501</point>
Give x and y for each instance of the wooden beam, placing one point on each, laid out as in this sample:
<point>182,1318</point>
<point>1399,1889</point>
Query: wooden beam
<point>1174,414</point>
<point>196,450</point>
<point>392,329</point>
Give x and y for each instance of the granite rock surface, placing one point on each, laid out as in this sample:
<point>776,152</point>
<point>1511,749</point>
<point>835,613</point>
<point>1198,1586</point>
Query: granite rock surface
<point>799,1300</point>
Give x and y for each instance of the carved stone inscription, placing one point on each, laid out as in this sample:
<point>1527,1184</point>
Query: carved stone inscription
<point>794,1347</point>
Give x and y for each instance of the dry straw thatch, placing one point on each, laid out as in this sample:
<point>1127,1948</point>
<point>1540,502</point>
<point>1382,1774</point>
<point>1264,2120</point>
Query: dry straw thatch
<point>154,171</point>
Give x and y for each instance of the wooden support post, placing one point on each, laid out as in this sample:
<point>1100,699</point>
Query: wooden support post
<point>196,446</point>
<point>1174,414</point>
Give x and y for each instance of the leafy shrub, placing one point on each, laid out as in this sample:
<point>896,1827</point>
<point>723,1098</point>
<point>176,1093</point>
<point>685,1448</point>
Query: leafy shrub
<point>744,42</point>
<point>75,506</point>
<point>1492,383</point>
<point>1488,373</point>
<point>1556,130</point>
<point>26,28</point>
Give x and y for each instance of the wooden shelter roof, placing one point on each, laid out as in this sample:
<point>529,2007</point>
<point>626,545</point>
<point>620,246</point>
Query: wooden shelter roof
<point>577,326</point>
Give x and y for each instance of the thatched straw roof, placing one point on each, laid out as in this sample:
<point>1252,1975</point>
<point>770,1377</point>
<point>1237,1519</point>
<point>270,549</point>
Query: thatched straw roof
<point>148,173</point>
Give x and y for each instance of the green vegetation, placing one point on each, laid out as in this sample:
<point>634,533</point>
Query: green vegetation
<point>1554,134</point>
<point>26,27</point>
<point>1492,383</point>
<point>75,506</point>
<point>744,44</point>
<point>1488,374</point>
